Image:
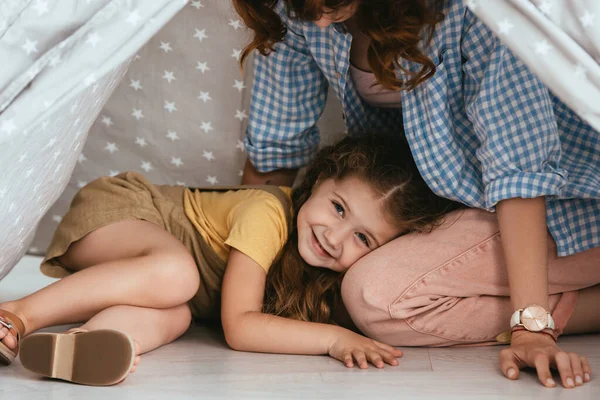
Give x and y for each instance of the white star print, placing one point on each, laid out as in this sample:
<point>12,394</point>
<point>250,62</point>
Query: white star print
<point>112,172</point>
<point>57,218</point>
<point>176,161</point>
<point>180,183</point>
<point>8,126</point>
<point>172,135</point>
<point>197,4</point>
<point>170,106</point>
<point>81,184</point>
<point>212,180</point>
<point>208,155</point>
<point>206,126</point>
<point>239,85</point>
<point>471,4</point>
<point>91,78</point>
<point>505,26</point>
<point>135,84</point>
<point>56,155</point>
<point>137,114</point>
<point>107,121</point>
<point>235,24</point>
<point>205,96</point>
<point>140,141</point>
<point>200,34</point>
<point>166,47</point>
<point>134,17</point>
<point>28,173</point>
<point>55,60</point>
<point>241,115</point>
<point>546,7</point>
<point>93,39</point>
<point>51,142</point>
<point>30,46</point>
<point>146,166</point>
<point>236,54</point>
<point>240,145</point>
<point>81,158</point>
<point>136,57</point>
<point>586,19</point>
<point>580,72</point>
<point>202,66</point>
<point>41,6</point>
<point>22,157</point>
<point>111,147</point>
<point>542,47</point>
<point>169,76</point>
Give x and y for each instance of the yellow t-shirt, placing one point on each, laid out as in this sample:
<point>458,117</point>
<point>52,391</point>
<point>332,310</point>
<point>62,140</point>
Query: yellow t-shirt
<point>252,221</point>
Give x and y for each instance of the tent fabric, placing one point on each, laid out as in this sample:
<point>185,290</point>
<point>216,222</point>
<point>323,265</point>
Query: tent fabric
<point>61,60</point>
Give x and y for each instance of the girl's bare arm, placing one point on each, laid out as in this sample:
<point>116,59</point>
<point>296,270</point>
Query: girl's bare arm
<point>246,328</point>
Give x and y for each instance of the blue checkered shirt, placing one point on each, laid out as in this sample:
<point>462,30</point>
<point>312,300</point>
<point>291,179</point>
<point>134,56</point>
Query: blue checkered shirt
<point>482,129</point>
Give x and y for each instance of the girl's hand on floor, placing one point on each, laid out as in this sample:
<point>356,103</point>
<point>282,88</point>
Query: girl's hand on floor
<point>349,347</point>
<point>539,351</point>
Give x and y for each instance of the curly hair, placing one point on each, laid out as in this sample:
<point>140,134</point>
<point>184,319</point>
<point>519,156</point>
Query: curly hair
<point>297,290</point>
<point>396,29</point>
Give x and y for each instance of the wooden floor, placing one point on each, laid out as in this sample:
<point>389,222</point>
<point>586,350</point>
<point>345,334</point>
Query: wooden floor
<point>200,365</point>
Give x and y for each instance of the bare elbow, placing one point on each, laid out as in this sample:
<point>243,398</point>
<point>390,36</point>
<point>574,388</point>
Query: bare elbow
<point>234,335</point>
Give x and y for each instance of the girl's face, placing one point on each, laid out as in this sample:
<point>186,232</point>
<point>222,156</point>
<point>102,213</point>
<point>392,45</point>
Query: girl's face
<point>339,15</point>
<point>340,223</point>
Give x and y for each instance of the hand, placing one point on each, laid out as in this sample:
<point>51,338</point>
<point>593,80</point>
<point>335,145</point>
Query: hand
<point>539,351</point>
<point>349,347</point>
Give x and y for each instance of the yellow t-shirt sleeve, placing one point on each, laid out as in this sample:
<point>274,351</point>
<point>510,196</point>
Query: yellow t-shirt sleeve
<point>258,228</point>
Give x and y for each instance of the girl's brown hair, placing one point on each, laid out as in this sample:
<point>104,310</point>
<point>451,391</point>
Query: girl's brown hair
<point>395,27</point>
<point>297,290</point>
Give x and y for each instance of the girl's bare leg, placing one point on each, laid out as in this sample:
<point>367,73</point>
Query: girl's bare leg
<point>149,327</point>
<point>585,318</point>
<point>133,263</point>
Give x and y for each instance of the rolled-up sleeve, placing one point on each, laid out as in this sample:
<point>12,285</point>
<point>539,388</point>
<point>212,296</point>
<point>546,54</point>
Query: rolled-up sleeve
<point>513,118</point>
<point>288,97</point>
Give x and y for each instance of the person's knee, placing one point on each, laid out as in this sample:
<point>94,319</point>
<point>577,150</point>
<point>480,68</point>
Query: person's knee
<point>175,274</point>
<point>361,294</point>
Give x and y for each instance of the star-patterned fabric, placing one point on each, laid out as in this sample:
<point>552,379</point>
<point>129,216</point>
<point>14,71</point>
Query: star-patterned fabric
<point>559,40</point>
<point>61,60</point>
<point>179,114</point>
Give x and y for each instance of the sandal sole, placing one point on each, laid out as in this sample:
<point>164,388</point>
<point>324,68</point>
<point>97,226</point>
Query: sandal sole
<point>96,358</point>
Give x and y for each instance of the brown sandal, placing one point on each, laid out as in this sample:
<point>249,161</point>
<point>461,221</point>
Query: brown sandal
<point>96,358</point>
<point>16,328</point>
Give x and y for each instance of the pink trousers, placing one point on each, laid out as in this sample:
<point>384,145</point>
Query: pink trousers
<point>450,287</point>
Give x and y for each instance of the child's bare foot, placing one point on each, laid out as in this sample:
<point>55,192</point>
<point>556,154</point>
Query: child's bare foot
<point>11,328</point>
<point>8,339</point>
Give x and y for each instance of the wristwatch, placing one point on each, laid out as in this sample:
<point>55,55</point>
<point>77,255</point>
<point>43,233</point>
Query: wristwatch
<point>533,318</point>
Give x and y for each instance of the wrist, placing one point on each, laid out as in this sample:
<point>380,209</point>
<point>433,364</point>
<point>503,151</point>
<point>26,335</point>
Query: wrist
<point>520,332</point>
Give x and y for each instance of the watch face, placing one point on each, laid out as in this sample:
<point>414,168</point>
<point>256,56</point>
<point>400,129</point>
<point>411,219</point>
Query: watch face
<point>534,318</point>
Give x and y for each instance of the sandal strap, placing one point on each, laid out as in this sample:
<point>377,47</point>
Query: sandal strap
<point>12,323</point>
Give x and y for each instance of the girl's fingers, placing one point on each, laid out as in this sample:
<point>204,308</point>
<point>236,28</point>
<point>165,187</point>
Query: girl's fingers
<point>563,365</point>
<point>347,359</point>
<point>577,368</point>
<point>396,352</point>
<point>390,358</point>
<point>542,366</point>
<point>361,359</point>
<point>376,360</point>
<point>587,369</point>
<point>508,365</point>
